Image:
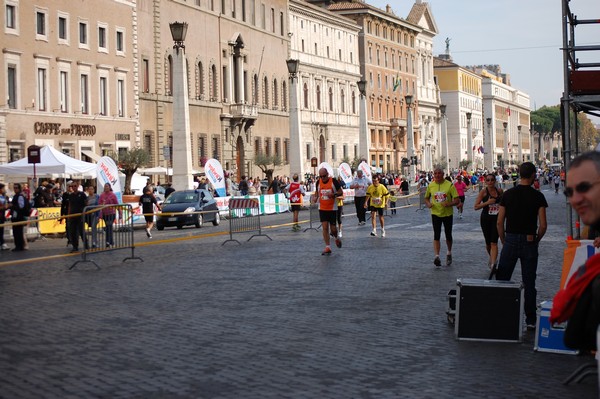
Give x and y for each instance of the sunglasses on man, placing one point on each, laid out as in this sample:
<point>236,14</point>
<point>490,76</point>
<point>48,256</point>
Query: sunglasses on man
<point>581,188</point>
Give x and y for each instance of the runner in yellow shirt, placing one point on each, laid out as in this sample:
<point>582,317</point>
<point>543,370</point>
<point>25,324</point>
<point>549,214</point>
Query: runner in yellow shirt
<point>377,195</point>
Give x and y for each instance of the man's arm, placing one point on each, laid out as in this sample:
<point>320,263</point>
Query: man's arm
<point>500,223</point>
<point>543,223</point>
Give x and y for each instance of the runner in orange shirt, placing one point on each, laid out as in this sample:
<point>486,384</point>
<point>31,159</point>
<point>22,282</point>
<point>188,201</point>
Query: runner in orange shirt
<point>326,192</point>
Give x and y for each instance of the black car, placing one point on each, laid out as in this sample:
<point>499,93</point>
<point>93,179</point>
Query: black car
<point>188,204</point>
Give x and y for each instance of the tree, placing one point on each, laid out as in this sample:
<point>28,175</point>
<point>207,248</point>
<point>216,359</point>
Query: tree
<point>267,163</point>
<point>129,162</point>
<point>464,164</point>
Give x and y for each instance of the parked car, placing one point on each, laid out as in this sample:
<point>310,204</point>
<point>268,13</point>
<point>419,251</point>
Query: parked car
<point>189,202</point>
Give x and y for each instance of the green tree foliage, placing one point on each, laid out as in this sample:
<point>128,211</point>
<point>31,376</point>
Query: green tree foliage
<point>129,162</point>
<point>267,163</point>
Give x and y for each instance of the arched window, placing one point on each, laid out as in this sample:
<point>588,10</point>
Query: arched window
<point>213,83</point>
<point>330,99</point>
<point>266,93</point>
<point>318,97</point>
<point>342,101</point>
<point>275,94</point>
<point>170,76</point>
<point>305,91</point>
<point>353,102</point>
<point>200,86</point>
<point>255,90</point>
<point>284,95</point>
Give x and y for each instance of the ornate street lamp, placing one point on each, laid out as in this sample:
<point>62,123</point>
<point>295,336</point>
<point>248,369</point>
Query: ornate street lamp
<point>296,164</point>
<point>182,152</point>
<point>410,144</point>
<point>178,33</point>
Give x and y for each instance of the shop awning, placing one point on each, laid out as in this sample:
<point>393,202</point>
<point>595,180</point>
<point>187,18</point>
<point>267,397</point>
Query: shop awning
<point>91,154</point>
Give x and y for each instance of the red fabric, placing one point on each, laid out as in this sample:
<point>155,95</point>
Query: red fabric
<point>566,299</point>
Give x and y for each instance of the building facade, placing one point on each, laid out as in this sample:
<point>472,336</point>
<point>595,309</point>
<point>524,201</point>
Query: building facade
<point>68,78</point>
<point>427,89</point>
<point>237,81</point>
<point>326,46</point>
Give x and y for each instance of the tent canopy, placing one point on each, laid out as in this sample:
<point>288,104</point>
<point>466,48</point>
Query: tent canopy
<point>53,162</point>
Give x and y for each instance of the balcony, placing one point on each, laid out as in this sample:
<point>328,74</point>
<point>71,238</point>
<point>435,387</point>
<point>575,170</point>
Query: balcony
<point>243,111</point>
<point>397,122</point>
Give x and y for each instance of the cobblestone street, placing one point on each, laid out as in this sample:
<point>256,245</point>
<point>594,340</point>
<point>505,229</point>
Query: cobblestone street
<point>271,319</point>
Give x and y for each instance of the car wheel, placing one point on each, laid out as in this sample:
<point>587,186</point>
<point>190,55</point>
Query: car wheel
<point>160,228</point>
<point>179,227</point>
<point>217,219</point>
<point>199,221</point>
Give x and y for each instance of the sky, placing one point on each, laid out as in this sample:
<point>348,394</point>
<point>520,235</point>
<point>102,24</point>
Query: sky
<point>524,37</point>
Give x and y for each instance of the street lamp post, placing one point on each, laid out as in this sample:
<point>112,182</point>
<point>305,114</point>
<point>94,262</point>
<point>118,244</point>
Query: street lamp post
<point>296,164</point>
<point>445,137</point>
<point>505,155</point>
<point>531,144</point>
<point>363,137</point>
<point>469,140</point>
<point>488,152</point>
<point>182,154</point>
<point>410,144</point>
<point>520,141</point>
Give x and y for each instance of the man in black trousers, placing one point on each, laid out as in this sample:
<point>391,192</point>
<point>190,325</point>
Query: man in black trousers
<point>19,212</point>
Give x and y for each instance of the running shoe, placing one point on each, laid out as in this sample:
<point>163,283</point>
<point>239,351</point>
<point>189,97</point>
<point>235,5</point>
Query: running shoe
<point>437,262</point>
<point>340,233</point>
<point>338,242</point>
<point>148,233</point>
<point>382,232</point>
<point>327,251</point>
<point>5,247</point>
<point>374,233</point>
<point>448,260</point>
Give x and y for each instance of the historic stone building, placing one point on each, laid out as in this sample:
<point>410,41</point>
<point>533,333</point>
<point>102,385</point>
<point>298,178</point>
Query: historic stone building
<point>237,80</point>
<point>67,77</point>
<point>326,46</point>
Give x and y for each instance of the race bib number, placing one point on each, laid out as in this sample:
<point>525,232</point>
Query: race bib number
<point>376,201</point>
<point>494,209</point>
<point>440,196</point>
<point>326,195</point>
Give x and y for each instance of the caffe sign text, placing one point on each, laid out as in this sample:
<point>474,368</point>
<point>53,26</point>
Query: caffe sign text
<point>56,129</point>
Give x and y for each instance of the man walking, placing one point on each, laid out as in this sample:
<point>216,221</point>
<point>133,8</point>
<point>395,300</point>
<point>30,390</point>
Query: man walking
<point>326,191</point>
<point>360,184</point>
<point>76,205</point>
<point>376,199</point>
<point>19,211</point>
<point>296,193</point>
<point>440,197</point>
<point>521,209</point>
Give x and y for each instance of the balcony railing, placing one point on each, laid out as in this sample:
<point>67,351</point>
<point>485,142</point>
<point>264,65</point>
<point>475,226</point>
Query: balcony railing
<point>243,111</point>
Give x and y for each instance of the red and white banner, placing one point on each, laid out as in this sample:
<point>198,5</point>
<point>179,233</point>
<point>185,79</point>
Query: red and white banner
<point>345,172</point>
<point>214,172</point>
<point>107,172</point>
<point>366,169</point>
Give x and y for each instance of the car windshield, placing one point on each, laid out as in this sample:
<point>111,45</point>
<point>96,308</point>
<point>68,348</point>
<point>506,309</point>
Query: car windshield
<point>181,198</point>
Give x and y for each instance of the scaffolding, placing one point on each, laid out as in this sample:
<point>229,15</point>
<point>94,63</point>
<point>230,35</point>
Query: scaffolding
<point>581,89</point>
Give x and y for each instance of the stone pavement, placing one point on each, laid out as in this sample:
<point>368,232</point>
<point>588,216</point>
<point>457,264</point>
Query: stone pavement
<point>270,319</point>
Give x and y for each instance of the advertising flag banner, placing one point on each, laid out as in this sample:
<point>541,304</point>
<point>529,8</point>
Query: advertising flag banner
<point>107,172</point>
<point>366,169</point>
<point>214,172</point>
<point>326,166</point>
<point>345,172</point>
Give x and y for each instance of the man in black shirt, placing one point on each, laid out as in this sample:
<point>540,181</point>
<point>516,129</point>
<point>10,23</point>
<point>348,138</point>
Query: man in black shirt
<point>521,208</point>
<point>76,203</point>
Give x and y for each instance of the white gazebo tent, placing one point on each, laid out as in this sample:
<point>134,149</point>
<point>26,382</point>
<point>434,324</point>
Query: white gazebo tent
<point>53,162</point>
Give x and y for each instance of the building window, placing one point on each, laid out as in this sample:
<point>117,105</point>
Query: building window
<point>102,38</point>
<point>268,147</point>
<point>84,94</point>
<point>40,18</point>
<point>215,147</point>
<point>145,75</point>
<point>333,151</point>
<point>284,95</point>
<point>202,149</point>
<point>263,15</point>
<point>103,100</point>
<point>62,28</point>
<point>273,20</point>
<point>281,24</point>
<point>345,151</point>
<point>308,151</point>
<point>11,16</point>
<point>42,89</point>
<point>275,95</point>
<point>257,146</point>
<point>64,91</point>
<point>286,151</point>
<point>121,97</point>
<point>331,99</point>
<point>83,33</point>
<point>12,86</point>
<point>120,42</point>
<point>353,102</point>
<point>277,147</point>
<point>342,101</point>
<point>305,95</point>
<point>318,97</point>
<point>266,93</point>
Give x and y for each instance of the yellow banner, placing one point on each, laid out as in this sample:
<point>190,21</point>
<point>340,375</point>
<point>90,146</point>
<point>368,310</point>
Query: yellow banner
<point>51,226</point>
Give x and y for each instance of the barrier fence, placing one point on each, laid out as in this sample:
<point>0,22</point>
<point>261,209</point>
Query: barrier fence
<point>314,221</point>
<point>244,217</point>
<point>102,229</point>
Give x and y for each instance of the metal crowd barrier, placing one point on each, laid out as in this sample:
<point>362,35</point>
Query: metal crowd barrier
<point>244,217</point>
<point>106,228</point>
<point>313,218</point>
